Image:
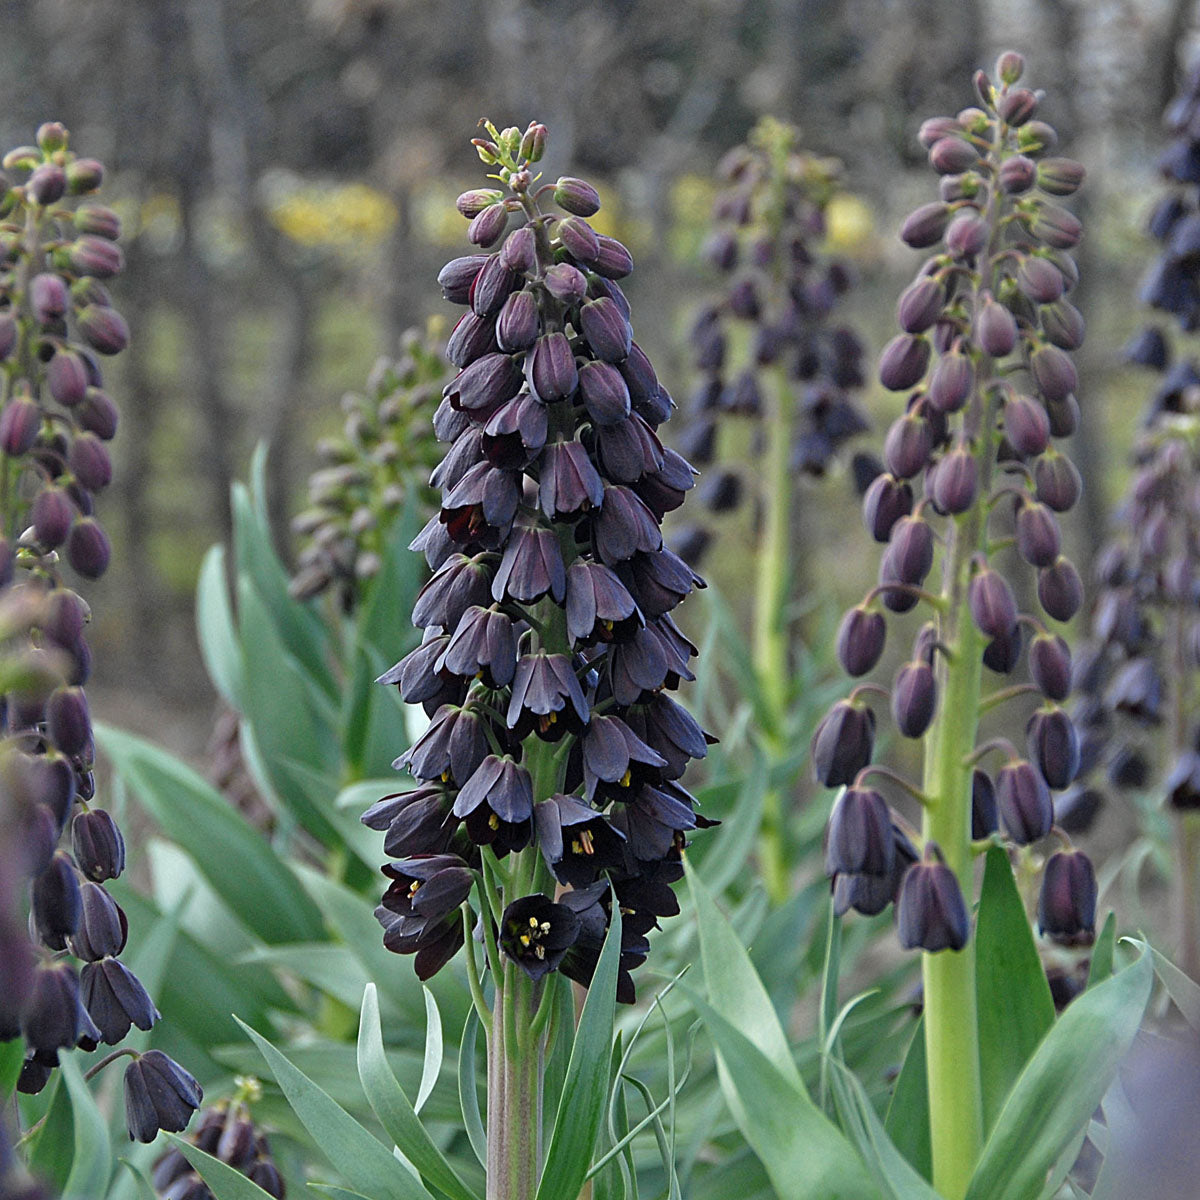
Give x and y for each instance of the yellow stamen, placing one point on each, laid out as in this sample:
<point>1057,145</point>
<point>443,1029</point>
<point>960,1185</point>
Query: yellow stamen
<point>625,779</point>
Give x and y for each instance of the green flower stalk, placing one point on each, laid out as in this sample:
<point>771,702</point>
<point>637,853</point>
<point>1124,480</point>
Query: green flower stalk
<point>772,351</point>
<point>548,797</point>
<point>986,327</point>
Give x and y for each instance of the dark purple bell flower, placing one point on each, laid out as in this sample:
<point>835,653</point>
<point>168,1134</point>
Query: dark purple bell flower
<point>483,646</point>
<point>576,841</point>
<point>658,581</point>
<point>159,1094</point>
<point>98,845</point>
<point>599,607</point>
<point>518,323</point>
<point>871,894</point>
<point>615,760</point>
<point>428,887</point>
<point>1003,653</point>
<point>481,506</point>
<point>457,276</point>
<point>1182,785</point>
<point>53,1017</point>
<point>102,928</point>
<point>451,748</point>
<point>531,567</point>
<point>887,499</point>
<point>546,698</point>
<point>550,368</point>
<point>1067,903</point>
<point>568,482</point>
<point>671,731</point>
<point>842,743</point>
<point>434,941</point>
<point>472,338</point>
<point>535,933</point>
<point>860,640</point>
<point>604,392</point>
<point>627,450</point>
<point>458,583</point>
<point>420,822</point>
<point>931,914</point>
<point>637,666</point>
<point>858,838</point>
<point>417,677</point>
<point>1054,746</point>
<point>484,385</point>
<point>993,606</point>
<point>515,432</point>
<point>1137,691</point>
<point>491,286</point>
<point>56,903</point>
<point>655,820</point>
<point>501,785</point>
<point>115,999</point>
<point>624,526</point>
<point>663,490</point>
<point>1024,802</point>
<point>914,698</point>
<point>985,819</point>
<point>606,330</point>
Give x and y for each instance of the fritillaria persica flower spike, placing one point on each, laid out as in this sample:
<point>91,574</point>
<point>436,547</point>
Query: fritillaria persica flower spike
<point>971,468</point>
<point>1139,672</point>
<point>58,253</point>
<point>377,465</point>
<point>549,774</point>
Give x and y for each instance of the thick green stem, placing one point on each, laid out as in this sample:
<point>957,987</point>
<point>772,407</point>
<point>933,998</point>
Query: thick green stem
<point>770,620</point>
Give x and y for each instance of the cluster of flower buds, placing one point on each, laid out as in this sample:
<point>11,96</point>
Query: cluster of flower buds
<point>971,467</point>
<point>547,627</point>
<point>1172,284</point>
<point>371,472</point>
<point>55,318</point>
<point>228,1132</point>
<point>769,226</point>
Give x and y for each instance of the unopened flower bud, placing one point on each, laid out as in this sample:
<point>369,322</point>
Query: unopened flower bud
<point>993,608</point>
<point>98,845</point>
<point>550,368</point>
<point>98,220</point>
<point>1063,325</point>
<point>613,261</point>
<point>1038,538</point>
<point>457,276</point>
<point>486,228</point>
<point>967,235</point>
<point>1060,176</point>
<point>533,143</point>
<point>909,555</point>
<point>48,297</point>
<point>860,640</point>
<point>996,328</point>
<point>1056,482</point>
<point>1024,802</point>
<point>1056,227</point>
<point>606,330</point>
<point>89,462</point>
<point>914,699</point>
<point>951,155</point>
<point>518,325</point>
<point>1017,174</point>
<point>1026,426</point>
<point>519,252</point>
<point>1050,666</point>
<point>887,499</point>
<point>1040,280</point>
<point>956,482</point>
<point>20,422</point>
<point>1010,66</point>
<point>84,175</point>
<point>951,382</point>
<point>984,817</point>
<point>1018,106</point>
<point>566,283</point>
<point>48,184</point>
<point>88,548</point>
<point>931,914</point>
<point>924,226</point>
<point>1053,372</point>
<point>96,257</point>
<point>903,361</point>
<point>907,446</point>
<point>1060,590</point>
<point>55,901</point>
<point>103,329</point>
<point>920,304</point>
<point>1053,744</point>
<point>51,515</point>
<point>1067,903</point>
<point>935,128</point>
<point>576,196</point>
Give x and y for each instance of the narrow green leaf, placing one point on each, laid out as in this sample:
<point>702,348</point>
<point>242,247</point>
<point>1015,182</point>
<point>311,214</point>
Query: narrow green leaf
<point>391,1105</point>
<point>337,1193</point>
<point>1101,965</point>
<point>1181,988</point>
<point>283,702</point>
<point>364,1162</point>
<point>468,1090</point>
<point>829,981</point>
<point>433,1050</point>
<point>1059,1089</point>
<point>254,553</point>
<point>216,629</point>
<point>894,1175</point>
<point>12,1055</point>
<point>734,988</point>
<point>803,1153</point>
<point>141,1183</point>
<point>724,855</point>
<point>331,969</point>
<point>91,1164</point>
<point>907,1120</point>
<point>585,1090</point>
<point>225,1182</point>
<point>230,853</point>
<point>48,1142</point>
<point>1014,1001</point>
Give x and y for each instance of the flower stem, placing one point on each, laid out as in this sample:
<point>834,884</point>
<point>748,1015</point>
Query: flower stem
<point>770,620</point>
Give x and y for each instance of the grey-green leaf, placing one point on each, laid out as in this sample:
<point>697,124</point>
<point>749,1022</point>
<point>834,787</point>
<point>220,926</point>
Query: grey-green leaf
<point>1059,1089</point>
